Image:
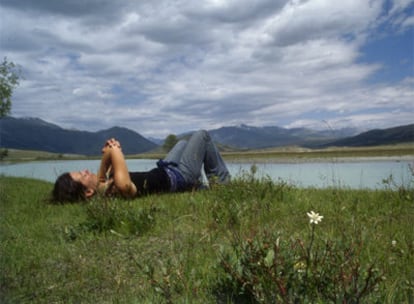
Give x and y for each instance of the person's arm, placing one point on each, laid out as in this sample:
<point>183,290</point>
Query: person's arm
<point>105,168</point>
<point>113,159</point>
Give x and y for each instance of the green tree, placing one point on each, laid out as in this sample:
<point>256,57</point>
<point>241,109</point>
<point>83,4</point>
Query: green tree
<point>4,153</point>
<point>9,79</point>
<point>169,142</point>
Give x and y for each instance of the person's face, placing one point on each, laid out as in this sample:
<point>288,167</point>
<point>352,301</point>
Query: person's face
<point>86,178</point>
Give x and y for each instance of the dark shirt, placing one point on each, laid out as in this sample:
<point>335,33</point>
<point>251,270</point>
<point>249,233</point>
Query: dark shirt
<point>153,181</point>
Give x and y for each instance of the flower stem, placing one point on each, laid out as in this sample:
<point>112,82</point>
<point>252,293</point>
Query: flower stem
<point>309,251</point>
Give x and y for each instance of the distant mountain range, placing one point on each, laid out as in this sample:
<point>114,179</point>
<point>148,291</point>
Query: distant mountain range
<point>36,134</point>
<point>264,137</point>
<point>401,134</point>
<point>248,137</point>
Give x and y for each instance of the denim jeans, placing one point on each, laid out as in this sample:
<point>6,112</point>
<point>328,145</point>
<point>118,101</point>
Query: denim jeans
<point>190,157</point>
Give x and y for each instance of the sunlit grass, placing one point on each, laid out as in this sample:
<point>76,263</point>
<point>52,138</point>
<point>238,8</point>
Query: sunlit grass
<point>171,248</point>
<point>298,153</point>
<point>271,154</point>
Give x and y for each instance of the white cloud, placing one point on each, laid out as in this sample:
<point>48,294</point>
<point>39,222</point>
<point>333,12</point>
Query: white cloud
<point>320,19</point>
<point>172,66</point>
<point>399,6</point>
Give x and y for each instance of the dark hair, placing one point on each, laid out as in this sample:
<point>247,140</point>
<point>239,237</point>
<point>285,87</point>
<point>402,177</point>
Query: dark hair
<point>67,190</point>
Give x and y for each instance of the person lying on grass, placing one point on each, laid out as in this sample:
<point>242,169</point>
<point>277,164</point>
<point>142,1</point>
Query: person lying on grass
<point>179,171</point>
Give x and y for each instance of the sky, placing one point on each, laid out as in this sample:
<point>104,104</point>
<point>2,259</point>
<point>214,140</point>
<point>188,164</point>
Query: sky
<point>163,67</point>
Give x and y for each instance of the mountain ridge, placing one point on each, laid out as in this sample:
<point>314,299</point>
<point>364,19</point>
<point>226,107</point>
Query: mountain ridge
<point>394,135</point>
<point>36,134</point>
<point>250,137</point>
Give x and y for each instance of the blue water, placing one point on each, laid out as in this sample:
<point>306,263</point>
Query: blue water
<point>355,175</point>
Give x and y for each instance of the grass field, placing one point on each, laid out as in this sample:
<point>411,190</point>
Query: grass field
<point>14,155</point>
<point>248,242</point>
<point>271,154</point>
<point>297,153</point>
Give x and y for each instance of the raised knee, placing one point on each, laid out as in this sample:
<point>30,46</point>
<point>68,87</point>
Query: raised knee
<point>202,134</point>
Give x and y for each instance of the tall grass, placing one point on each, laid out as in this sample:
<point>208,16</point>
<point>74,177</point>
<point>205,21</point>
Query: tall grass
<point>248,242</point>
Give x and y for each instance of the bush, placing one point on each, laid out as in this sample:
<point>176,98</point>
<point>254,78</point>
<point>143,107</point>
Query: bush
<point>271,268</point>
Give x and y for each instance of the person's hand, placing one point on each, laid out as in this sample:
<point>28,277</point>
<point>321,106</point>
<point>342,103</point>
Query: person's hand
<point>110,144</point>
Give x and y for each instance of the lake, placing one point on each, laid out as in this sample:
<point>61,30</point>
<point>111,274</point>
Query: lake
<point>320,174</point>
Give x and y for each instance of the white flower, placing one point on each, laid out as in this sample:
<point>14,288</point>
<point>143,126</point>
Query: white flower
<point>314,218</point>
<point>394,243</point>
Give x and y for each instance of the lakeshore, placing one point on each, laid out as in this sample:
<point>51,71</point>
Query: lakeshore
<point>337,159</point>
<point>281,154</point>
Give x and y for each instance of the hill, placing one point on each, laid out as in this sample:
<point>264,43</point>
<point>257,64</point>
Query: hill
<point>249,137</point>
<point>401,134</point>
<point>36,134</point>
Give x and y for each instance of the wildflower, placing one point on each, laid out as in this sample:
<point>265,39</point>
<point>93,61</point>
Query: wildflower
<point>394,243</point>
<point>314,218</point>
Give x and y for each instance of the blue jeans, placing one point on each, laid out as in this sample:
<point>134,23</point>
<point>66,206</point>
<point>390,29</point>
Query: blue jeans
<point>191,155</point>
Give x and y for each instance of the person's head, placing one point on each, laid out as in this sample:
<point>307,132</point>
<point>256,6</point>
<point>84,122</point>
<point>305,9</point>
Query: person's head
<point>74,186</point>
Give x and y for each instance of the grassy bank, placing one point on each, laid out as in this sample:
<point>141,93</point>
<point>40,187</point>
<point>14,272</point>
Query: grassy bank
<point>14,155</point>
<point>333,153</point>
<point>249,242</point>
<point>270,154</point>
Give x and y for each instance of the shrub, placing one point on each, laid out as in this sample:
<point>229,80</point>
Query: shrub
<point>271,268</point>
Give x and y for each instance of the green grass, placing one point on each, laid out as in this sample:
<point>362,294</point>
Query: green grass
<point>15,155</point>
<point>198,247</point>
<point>281,153</point>
<point>298,153</point>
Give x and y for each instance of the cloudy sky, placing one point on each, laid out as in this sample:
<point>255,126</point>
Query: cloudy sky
<point>169,66</point>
